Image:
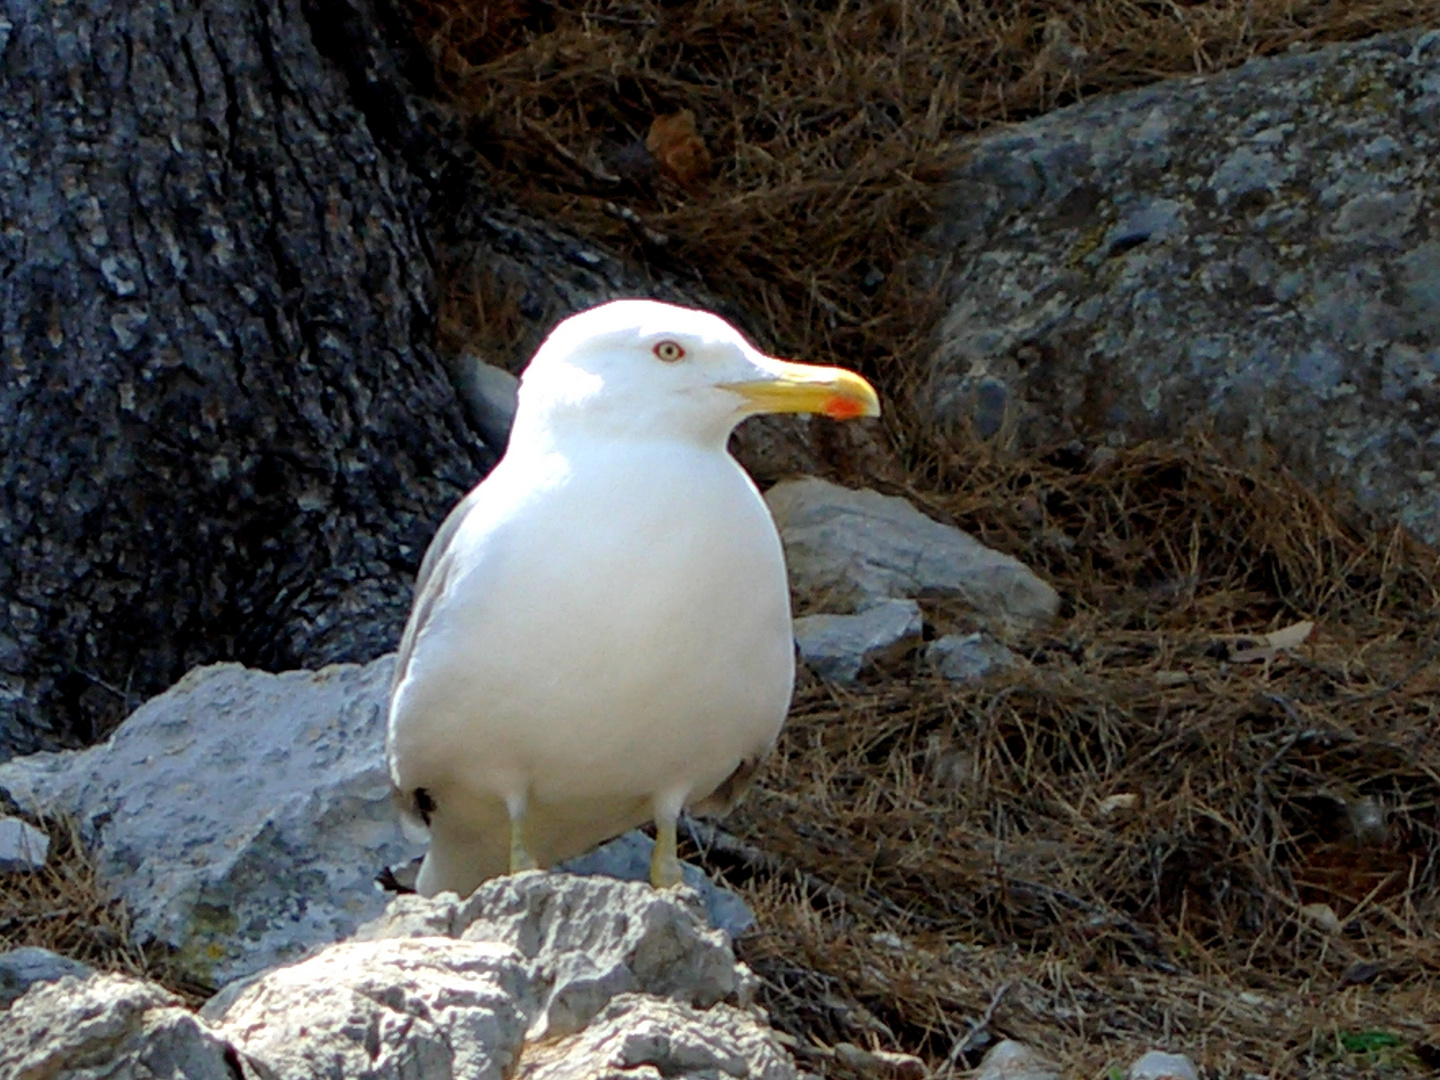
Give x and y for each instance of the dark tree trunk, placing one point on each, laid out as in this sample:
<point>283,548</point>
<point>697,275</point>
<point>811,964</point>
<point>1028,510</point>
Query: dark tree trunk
<point>224,431</point>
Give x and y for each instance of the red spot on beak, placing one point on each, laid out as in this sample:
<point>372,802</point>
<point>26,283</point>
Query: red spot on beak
<point>842,408</point>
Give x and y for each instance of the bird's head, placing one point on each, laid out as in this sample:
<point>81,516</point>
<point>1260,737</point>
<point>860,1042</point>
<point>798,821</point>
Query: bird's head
<point>654,369</point>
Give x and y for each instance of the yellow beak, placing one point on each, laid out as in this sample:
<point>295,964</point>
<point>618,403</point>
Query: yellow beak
<point>806,388</point>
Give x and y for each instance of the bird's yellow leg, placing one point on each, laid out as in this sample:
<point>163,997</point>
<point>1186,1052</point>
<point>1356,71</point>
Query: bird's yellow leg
<point>664,863</point>
<point>520,857</point>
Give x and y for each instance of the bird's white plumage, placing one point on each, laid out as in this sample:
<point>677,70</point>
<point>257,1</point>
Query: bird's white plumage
<point>601,631</point>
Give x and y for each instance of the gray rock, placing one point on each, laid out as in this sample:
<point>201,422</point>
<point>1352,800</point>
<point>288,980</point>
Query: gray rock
<point>432,1008</point>
<point>966,657</point>
<point>584,940</point>
<point>489,394</point>
<point>240,815</point>
<point>20,969</point>
<point>1011,1060</point>
<point>22,846</point>
<point>110,1026</point>
<point>648,1038</point>
<point>848,549</point>
<point>1256,251</point>
<point>838,647</point>
<point>627,858</point>
<point>1158,1065</point>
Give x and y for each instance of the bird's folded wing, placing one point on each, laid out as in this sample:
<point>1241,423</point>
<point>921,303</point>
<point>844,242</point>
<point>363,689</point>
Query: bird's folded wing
<point>431,581</point>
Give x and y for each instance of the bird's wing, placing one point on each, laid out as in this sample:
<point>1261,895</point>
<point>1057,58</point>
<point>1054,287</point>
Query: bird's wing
<point>431,581</point>
<point>732,789</point>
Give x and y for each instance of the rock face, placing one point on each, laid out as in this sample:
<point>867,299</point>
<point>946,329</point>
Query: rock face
<point>537,976</point>
<point>583,941</point>
<point>423,1007</point>
<point>111,1026</point>
<point>849,549</point>
<point>1257,250</point>
<point>242,816</point>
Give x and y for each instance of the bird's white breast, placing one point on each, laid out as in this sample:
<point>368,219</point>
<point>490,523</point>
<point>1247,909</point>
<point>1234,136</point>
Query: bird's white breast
<point>617,619</point>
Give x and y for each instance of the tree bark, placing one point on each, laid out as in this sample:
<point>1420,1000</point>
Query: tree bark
<point>224,431</point>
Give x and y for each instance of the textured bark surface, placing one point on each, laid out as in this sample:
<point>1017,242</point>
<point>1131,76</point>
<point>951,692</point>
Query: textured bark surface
<point>223,431</point>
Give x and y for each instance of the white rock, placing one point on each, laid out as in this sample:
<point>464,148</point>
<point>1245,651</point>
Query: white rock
<point>490,395</point>
<point>584,940</point>
<point>1158,1065</point>
<point>109,1026</point>
<point>1010,1060</point>
<point>847,549</point>
<point>386,1010</point>
<point>22,968</point>
<point>242,816</point>
<point>22,846</point>
<point>640,1036</point>
<point>837,647</point>
<point>966,657</point>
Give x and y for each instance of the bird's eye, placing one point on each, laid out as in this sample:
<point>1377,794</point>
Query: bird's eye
<point>669,351</point>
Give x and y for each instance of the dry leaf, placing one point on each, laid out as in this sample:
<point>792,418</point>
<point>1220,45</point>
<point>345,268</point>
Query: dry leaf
<point>1251,650</point>
<point>678,148</point>
<point>1114,804</point>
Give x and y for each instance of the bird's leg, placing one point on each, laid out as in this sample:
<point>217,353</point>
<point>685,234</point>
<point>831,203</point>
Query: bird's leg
<point>664,863</point>
<point>520,857</point>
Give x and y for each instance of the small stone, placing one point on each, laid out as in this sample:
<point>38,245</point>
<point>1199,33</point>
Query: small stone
<point>20,969</point>
<point>1321,915</point>
<point>838,647</point>
<point>1367,821</point>
<point>490,395</point>
<point>22,846</point>
<point>1158,1065</point>
<point>1010,1060</point>
<point>967,657</point>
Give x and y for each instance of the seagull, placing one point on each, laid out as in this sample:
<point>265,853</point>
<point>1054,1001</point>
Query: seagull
<point>601,630</point>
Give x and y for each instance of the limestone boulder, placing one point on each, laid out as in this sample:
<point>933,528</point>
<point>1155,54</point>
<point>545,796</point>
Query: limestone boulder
<point>1256,251</point>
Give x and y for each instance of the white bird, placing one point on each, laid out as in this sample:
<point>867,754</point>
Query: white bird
<point>601,631</point>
